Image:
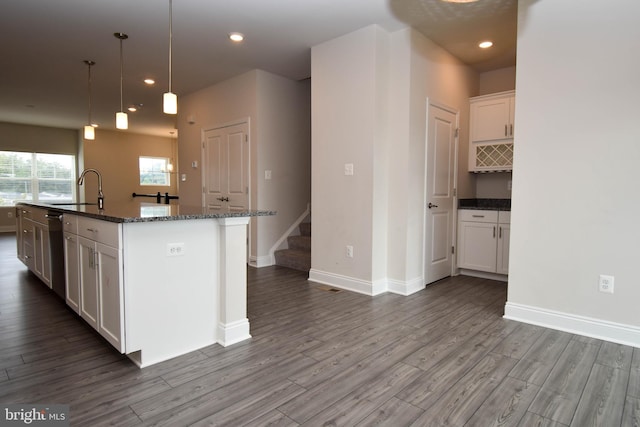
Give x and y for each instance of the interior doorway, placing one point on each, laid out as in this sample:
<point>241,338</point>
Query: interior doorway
<point>440,183</point>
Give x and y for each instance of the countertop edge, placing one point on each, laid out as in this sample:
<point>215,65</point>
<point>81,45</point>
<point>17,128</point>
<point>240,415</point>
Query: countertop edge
<point>104,215</point>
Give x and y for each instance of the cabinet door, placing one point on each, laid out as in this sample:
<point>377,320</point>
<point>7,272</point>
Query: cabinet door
<point>28,244</point>
<point>71,270</point>
<point>504,233</point>
<point>490,119</point>
<point>42,264</point>
<point>19,234</point>
<point>88,281</point>
<point>110,320</point>
<point>477,246</point>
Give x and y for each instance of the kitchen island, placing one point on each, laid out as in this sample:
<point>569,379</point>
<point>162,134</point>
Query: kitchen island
<point>157,281</point>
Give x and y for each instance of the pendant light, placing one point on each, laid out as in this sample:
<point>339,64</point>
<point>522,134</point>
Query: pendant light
<point>89,130</point>
<point>122,121</point>
<point>170,99</point>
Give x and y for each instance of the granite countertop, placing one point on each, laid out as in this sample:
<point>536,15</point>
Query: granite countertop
<point>485,204</point>
<point>136,211</point>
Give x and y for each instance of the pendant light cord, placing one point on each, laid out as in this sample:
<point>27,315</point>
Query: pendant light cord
<point>89,63</point>
<point>121,68</point>
<point>170,39</point>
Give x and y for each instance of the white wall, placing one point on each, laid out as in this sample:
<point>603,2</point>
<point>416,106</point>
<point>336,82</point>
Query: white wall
<point>279,118</point>
<point>284,148</point>
<point>499,80</point>
<point>369,97</point>
<point>345,118</point>
<point>575,181</point>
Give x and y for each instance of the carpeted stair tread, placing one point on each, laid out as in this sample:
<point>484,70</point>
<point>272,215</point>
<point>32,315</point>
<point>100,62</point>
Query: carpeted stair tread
<point>295,259</point>
<point>299,243</point>
<point>305,228</point>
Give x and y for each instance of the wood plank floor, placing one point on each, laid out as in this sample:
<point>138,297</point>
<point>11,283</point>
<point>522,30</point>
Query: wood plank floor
<point>443,356</point>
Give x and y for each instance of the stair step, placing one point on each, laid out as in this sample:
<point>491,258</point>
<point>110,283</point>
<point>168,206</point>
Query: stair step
<point>305,228</point>
<point>295,259</point>
<point>300,243</point>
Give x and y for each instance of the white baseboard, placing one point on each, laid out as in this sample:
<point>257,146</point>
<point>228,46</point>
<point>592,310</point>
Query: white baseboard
<point>484,275</point>
<point>405,288</point>
<point>234,332</point>
<point>262,261</point>
<point>581,325</point>
<point>344,282</point>
<point>370,288</point>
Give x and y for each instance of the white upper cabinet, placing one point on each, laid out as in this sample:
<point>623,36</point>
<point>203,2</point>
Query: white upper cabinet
<point>492,116</point>
<point>491,132</point>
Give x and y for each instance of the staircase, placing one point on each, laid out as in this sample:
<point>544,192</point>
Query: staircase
<point>298,256</point>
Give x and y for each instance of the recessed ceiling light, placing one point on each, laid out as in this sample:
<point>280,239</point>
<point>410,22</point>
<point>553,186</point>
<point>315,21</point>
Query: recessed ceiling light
<point>485,45</point>
<point>149,82</point>
<point>132,109</point>
<point>236,37</point>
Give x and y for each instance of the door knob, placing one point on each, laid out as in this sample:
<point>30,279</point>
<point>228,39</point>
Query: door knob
<point>431,205</point>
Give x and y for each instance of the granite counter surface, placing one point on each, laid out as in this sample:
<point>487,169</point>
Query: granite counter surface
<point>136,211</point>
<point>485,204</point>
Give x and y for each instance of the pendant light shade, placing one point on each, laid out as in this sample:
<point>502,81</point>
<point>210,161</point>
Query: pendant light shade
<point>89,131</point>
<point>170,103</point>
<point>122,121</point>
<point>170,99</point>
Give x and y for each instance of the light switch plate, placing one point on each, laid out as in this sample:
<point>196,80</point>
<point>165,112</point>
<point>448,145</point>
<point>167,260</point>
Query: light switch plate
<point>348,168</point>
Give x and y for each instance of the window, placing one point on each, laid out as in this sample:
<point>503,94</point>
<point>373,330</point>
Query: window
<point>154,171</point>
<point>36,177</point>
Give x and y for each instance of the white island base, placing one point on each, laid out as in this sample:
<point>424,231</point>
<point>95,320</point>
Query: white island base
<point>185,286</point>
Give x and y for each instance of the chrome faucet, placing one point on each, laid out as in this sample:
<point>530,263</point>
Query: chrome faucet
<point>100,195</point>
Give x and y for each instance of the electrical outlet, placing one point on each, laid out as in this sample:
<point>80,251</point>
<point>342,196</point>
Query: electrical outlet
<point>175,249</point>
<point>349,251</point>
<point>605,284</point>
<point>348,168</point>
<point>267,174</point>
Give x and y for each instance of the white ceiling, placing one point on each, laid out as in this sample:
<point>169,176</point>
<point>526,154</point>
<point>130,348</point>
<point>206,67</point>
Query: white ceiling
<point>43,79</point>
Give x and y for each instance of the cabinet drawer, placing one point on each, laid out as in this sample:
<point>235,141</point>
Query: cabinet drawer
<point>25,212</point>
<point>504,217</point>
<point>104,232</point>
<point>39,215</point>
<point>476,215</point>
<point>70,223</point>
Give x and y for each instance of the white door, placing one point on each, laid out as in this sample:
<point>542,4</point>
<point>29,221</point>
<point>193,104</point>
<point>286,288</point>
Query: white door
<point>440,183</point>
<point>225,166</point>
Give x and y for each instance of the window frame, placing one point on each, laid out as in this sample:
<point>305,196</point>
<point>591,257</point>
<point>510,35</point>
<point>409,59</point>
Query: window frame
<point>164,170</point>
<point>37,182</point>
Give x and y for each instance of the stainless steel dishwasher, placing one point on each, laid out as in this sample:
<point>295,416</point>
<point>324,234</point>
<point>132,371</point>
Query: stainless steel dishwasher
<point>56,251</point>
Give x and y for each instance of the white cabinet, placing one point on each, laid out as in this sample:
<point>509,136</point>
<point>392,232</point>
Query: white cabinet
<point>491,132</point>
<point>492,116</point>
<point>33,241</point>
<point>94,275</point>
<point>504,234</point>
<point>483,240</point>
